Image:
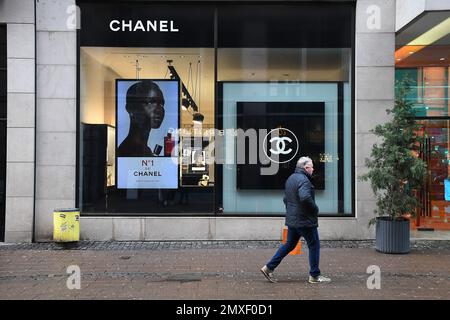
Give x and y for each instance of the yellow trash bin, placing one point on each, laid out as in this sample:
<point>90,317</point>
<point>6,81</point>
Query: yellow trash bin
<point>66,225</point>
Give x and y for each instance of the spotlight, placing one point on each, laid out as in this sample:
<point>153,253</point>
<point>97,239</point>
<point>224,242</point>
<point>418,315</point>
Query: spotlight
<point>198,118</point>
<point>185,104</point>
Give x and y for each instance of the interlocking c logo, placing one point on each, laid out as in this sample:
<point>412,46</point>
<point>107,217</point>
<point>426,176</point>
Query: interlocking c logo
<point>281,145</point>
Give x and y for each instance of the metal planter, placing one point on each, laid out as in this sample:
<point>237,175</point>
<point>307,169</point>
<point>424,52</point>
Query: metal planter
<point>392,236</point>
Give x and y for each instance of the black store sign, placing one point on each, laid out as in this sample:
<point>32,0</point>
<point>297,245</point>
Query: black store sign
<point>143,24</point>
<point>146,25</point>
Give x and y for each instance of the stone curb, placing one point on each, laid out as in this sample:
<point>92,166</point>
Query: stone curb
<point>186,245</point>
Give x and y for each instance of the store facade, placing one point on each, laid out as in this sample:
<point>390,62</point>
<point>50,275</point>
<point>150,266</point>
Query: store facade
<point>181,121</point>
<point>422,56</point>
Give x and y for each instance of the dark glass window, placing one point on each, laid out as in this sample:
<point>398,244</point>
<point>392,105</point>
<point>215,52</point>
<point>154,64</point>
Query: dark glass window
<point>2,71</point>
<point>285,66</point>
<point>230,61</point>
<point>3,95</point>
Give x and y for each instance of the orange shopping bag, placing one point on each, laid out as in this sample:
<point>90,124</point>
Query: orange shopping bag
<point>298,247</point>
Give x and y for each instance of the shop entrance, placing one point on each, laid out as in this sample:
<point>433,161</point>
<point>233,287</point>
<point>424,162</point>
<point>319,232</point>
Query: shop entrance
<point>434,213</point>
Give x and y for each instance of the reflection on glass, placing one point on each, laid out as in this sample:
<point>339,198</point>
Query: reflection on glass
<point>287,77</point>
<point>435,197</point>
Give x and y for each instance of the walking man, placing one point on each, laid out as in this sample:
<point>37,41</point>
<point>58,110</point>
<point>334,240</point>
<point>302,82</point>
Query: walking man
<point>301,220</point>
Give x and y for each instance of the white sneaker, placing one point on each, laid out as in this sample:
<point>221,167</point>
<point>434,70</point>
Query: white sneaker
<point>318,279</point>
<point>268,274</point>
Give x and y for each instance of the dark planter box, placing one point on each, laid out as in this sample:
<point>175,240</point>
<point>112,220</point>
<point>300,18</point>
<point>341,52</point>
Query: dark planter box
<point>392,236</point>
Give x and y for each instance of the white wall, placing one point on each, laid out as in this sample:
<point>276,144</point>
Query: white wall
<point>375,45</point>
<point>431,5</point>
<point>56,112</point>
<point>408,10</point>
<point>19,17</point>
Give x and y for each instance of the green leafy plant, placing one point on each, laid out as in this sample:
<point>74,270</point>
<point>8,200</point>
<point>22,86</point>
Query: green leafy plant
<point>395,170</point>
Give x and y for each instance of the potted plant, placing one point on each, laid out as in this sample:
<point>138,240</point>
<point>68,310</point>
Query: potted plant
<point>395,173</point>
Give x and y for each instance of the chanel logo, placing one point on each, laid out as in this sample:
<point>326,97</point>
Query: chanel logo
<point>283,145</point>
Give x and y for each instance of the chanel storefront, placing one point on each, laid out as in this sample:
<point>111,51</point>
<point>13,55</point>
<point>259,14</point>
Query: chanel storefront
<point>245,91</point>
<point>182,120</point>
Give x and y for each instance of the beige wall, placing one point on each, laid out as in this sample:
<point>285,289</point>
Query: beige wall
<point>97,91</point>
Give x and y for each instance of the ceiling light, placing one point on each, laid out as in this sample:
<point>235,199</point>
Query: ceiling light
<point>442,59</point>
<point>427,38</point>
<point>432,35</point>
<point>405,51</point>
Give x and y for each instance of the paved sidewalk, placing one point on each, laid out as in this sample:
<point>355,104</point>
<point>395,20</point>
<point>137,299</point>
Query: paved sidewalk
<point>218,270</point>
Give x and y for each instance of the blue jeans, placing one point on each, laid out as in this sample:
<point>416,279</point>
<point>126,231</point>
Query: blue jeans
<point>312,239</point>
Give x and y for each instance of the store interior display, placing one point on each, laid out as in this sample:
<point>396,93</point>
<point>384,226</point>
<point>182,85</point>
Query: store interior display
<point>221,56</point>
<point>99,181</point>
<point>194,68</point>
<point>195,168</point>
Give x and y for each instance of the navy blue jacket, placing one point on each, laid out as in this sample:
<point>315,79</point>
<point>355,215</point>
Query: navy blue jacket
<point>301,208</point>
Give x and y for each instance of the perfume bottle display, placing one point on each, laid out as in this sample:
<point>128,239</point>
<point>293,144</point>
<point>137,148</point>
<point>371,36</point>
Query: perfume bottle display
<point>169,143</point>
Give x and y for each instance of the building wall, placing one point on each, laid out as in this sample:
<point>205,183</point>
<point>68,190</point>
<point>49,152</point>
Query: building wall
<point>374,90</point>
<point>408,10</point>
<point>56,138</point>
<point>19,17</point>
<point>56,111</point>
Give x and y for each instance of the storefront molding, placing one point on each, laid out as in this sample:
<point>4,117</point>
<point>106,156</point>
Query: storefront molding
<point>210,228</point>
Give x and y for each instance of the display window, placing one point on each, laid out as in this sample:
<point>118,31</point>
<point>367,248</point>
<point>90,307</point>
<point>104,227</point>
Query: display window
<point>422,63</point>
<point>205,109</point>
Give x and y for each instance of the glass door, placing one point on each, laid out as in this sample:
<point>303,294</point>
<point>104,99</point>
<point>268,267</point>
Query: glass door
<point>434,212</point>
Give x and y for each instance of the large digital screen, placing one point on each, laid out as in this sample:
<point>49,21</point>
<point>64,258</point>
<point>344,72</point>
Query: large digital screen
<point>147,122</point>
<point>305,121</point>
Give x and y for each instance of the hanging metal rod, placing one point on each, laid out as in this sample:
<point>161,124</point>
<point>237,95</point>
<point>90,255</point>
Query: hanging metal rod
<point>174,74</point>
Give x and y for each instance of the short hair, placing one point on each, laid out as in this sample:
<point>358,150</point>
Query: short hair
<point>301,163</point>
<point>138,91</point>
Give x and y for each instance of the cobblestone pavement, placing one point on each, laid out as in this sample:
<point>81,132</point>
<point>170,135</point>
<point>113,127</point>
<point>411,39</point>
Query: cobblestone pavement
<point>200,270</point>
